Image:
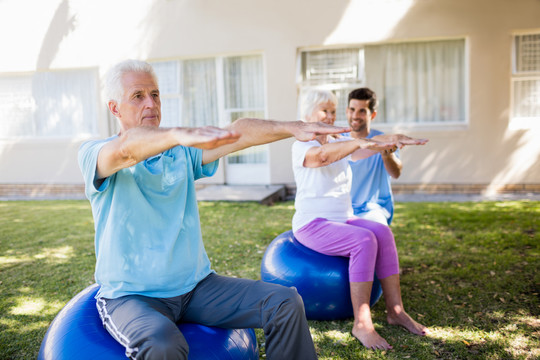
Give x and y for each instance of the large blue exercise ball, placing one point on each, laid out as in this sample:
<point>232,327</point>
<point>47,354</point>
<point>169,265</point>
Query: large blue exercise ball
<point>77,333</point>
<point>321,280</point>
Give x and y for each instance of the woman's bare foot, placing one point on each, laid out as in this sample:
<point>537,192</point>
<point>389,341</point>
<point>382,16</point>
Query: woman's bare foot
<point>403,319</point>
<point>370,338</point>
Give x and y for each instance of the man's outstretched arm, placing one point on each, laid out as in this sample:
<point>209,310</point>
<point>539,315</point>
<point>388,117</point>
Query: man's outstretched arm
<point>257,132</point>
<point>140,143</point>
<point>392,163</point>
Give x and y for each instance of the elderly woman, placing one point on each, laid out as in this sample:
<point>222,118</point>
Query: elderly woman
<point>324,219</point>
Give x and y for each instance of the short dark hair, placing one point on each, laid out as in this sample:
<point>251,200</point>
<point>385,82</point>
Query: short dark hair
<point>364,94</point>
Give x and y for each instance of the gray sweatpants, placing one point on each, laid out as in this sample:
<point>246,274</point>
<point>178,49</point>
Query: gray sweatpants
<point>146,326</point>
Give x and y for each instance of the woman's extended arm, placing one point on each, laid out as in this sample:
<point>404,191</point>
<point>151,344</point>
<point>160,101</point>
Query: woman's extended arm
<point>329,153</point>
<point>257,132</point>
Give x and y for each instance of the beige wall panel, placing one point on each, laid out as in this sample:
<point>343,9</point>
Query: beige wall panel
<point>40,162</point>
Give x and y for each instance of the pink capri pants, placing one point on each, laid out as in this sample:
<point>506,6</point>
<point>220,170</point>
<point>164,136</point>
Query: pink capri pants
<point>370,246</point>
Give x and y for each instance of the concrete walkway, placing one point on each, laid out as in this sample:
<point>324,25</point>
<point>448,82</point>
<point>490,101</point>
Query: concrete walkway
<point>464,197</point>
<point>269,194</point>
<point>264,194</point>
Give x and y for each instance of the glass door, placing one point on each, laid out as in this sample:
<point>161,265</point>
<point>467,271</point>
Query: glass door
<point>243,96</point>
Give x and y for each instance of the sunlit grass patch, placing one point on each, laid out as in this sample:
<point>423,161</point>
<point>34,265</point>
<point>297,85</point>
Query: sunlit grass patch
<point>469,271</point>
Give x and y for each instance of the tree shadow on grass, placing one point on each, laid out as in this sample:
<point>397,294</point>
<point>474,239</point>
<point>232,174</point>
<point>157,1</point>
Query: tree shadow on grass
<point>334,341</point>
<point>34,289</point>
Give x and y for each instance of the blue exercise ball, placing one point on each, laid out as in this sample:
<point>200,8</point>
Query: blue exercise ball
<point>77,333</point>
<point>321,280</point>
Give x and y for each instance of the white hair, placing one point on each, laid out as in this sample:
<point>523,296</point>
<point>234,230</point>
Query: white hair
<point>114,89</point>
<point>314,98</point>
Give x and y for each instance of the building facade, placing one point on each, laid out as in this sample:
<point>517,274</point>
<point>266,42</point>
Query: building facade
<point>463,73</point>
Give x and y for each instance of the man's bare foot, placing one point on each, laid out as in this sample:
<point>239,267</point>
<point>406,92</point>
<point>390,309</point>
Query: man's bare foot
<point>403,319</point>
<point>370,338</point>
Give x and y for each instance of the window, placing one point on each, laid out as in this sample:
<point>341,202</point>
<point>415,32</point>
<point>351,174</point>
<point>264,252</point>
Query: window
<point>49,104</point>
<point>417,83</point>
<point>244,97</point>
<point>213,91</point>
<point>526,80</point>
<point>168,74</point>
<point>338,70</point>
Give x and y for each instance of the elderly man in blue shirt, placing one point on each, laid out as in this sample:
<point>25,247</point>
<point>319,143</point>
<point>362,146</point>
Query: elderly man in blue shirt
<point>151,264</point>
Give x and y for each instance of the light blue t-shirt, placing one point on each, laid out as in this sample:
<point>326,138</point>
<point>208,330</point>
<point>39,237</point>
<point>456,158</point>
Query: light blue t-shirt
<point>148,237</point>
<point>371,184</point>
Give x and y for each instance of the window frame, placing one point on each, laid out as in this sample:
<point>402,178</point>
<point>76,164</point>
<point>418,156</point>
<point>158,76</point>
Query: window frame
<point>521,123</point>
<point>94,126</point>
<point>393,127</point>
<point>224,113</point>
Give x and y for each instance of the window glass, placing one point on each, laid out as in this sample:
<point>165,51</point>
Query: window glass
<point>49,104</point>
<point>338,70</point>
<point>526,98</point>
<point>199,91</point>
<point>527,56</point>
<point>243,79</point>
<point>17,106</point>
<point>168,74</point>
<point>244,97</point>
<point>526,79</point>
<point>342,65</point>
<point>421,82</point>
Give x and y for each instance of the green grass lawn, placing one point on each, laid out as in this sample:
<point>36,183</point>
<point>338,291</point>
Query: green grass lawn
<point>470,271</point>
